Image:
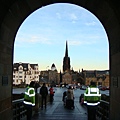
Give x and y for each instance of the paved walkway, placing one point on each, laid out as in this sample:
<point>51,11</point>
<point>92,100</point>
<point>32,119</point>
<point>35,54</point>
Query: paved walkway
<point>56,111</point>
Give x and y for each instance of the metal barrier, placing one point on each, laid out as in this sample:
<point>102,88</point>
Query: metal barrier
<point>19,112</point>
<point>103,110</point>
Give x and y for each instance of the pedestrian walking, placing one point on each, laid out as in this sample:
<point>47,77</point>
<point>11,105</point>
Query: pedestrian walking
<point>92,98</point>
<point>51,94</point>
<point>70,94</point>
<point>43,93</point>
<point>29,99</point>
<point>64,97</point>
<point>69,99</point>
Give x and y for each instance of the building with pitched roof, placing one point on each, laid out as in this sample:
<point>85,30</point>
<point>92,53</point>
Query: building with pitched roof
<point>24,73</point>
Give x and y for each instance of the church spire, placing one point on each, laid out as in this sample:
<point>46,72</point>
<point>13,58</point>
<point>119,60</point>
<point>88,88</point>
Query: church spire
<point>66,60</point>
<point>66,52</point>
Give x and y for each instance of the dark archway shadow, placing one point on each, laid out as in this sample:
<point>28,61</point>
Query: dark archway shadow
<point>14,12</point>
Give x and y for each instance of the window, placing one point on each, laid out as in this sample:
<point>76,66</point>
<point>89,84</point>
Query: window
<point>20,68</point>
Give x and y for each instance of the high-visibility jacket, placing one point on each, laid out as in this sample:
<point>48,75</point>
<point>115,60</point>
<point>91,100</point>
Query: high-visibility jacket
<point>29,97</point>
<point>92,96</point>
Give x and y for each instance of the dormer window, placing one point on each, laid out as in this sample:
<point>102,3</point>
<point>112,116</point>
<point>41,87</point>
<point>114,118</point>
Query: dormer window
<point>20,68</point>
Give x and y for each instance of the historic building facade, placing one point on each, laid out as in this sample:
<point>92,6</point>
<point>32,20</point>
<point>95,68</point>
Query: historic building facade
<point>53,74</point>
<point>85,76</point>
<point>24,73</point>
<point>66,75</point>
<point>50,76</point>
<point>67,78</point>
<point>100,77</point>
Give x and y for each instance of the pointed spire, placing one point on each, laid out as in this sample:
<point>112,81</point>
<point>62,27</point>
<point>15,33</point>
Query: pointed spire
<point>60,77</point>
<point>66,52</point>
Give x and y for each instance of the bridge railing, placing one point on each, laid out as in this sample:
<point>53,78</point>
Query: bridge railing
<point>19,112</point>
<point>103,110</point>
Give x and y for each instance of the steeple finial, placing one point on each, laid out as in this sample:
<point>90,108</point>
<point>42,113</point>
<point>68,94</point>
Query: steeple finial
<point>66,52</point>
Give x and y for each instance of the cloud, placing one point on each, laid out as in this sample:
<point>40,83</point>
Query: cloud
<point>73,16</point>
<point>78,42</point>
<point>90,23</point>
<point>67,16</point>
<point>74,42</point>
<point>34,39</point>
<point>39,39</point>
<point>89,40</point>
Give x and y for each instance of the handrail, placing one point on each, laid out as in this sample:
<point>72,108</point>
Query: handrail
<point>103,110</point>
<point>19,111</point>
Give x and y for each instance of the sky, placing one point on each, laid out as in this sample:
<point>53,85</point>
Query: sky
<point>41,39</point>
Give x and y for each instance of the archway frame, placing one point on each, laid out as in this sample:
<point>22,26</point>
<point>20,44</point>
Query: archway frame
<point>14,12</point>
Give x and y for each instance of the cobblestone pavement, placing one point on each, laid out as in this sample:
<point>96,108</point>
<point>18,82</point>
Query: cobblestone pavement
<point>57,111</point>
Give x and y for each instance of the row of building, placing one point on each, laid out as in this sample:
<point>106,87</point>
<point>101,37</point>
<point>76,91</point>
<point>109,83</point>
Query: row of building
<point>24,73</point>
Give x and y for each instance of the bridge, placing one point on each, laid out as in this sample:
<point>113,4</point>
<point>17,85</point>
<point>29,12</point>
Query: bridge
<point>57,111</point>
<point>12,15</point>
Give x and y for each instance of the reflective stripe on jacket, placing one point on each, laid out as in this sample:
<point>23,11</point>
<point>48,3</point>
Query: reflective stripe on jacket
<point>92,96</point>
<point>29,97</point>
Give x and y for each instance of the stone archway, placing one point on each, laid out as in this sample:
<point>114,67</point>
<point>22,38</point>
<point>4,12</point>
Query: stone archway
<point>14,12</point>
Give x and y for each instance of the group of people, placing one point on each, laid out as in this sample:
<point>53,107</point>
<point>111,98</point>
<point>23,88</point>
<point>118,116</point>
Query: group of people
<point>29,97</point>
<point>92,98</point>
<point>68,96</point>
<point>44,93</point>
